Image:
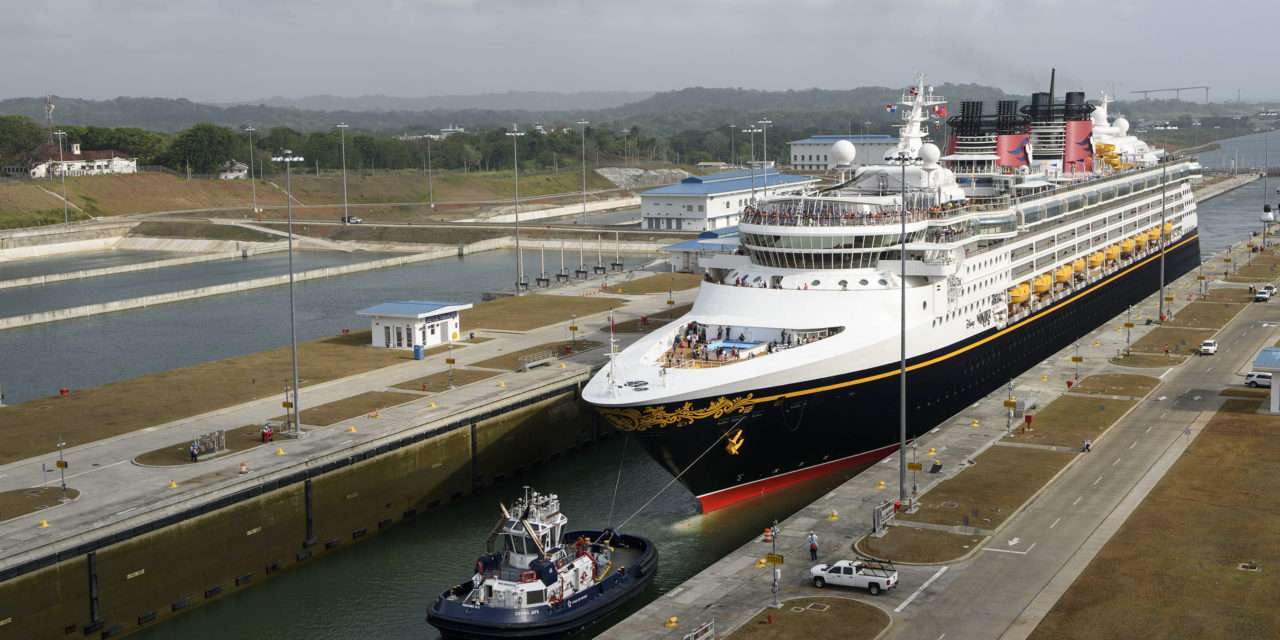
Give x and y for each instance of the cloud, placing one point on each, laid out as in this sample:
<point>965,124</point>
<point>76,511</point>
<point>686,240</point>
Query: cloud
<point>237,49</point>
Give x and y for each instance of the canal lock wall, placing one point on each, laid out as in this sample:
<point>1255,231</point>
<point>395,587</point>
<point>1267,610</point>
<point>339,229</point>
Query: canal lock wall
<point>110,585</point>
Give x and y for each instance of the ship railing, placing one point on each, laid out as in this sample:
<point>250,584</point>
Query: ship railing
<point>849,219</point>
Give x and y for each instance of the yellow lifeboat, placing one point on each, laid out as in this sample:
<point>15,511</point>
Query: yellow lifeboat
<point>1141,240</point>
<point>1154,234</point>
<point>1019,293</point>
<point>1096,259</point>
<point>1078,265</point>
<point>1043,283</point>
<point>1113,252</point>
<point>1168,228</point>
<point>1127,245</point>
<point>1063,274</point>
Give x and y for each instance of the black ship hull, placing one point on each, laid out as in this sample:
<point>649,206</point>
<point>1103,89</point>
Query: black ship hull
<point>795,432</point>
<point>457,620</point>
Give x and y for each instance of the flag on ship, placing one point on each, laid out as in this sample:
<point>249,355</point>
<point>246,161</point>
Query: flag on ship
<point>891,108</point>
<point>940,110</point>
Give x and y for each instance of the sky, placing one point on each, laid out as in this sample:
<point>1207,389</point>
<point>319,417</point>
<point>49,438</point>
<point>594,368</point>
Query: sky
<point>228,50</point>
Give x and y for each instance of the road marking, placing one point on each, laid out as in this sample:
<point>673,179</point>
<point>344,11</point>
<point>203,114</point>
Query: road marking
<point>1077,500</point>
<point>917,592</point>
<point>1164,413</point>
<point>1208,370</point>
<point>1055,523</point>
<point>1095,482</point>
<point>344,442</point>
<point>77,475</point>
<point>1133,444</point>
<point>1116,461</point>
<point>120,513</point>
<point>1016,553</point>
<point>1148,429</point>
<point>942,636</point>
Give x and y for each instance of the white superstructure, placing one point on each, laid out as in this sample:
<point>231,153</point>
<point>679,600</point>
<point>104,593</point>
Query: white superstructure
<point>814,290</point>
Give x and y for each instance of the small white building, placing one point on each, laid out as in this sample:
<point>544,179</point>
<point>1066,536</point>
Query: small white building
<point>404,324</point>
<point>234,170</point>
<point>701,203</point>
<point>814,153</point>
<point>85,163</point>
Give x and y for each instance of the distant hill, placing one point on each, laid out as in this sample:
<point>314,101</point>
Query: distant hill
<point>753,100</point>
<point>509,101</point>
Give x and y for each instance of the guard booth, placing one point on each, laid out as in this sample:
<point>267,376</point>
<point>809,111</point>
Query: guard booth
<point>405,324</point>
<point>1268,361</point>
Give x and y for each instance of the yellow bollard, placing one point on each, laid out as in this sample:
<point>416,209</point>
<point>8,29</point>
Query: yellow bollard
<point>761,563</point>
<point>974,423</point>
<point>933,451</point>
<point>502,384</point>
<point>880,485</point>
<point>562,366</point>
<point>279,451</point>
<point>833,516</point>
<point>672,622</point>
<point>173,484</point>
<point>1044,378</point>
<point>351,429</point>
<point>44,524</point>
<point>433,404</point>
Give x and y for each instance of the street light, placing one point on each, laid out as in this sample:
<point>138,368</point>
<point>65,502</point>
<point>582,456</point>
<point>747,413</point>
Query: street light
<point>62,171</point>
<point>1164,173</point>
<point>752,164</point>
<point>515,155</point>
<point>431,192</point>
<point>252,185</point>
<point>342,139</point>
<point>286,156</point>
<point>764,124</point>
<point>582,125</point>
<point>903,159</point>
<point>733,149</point>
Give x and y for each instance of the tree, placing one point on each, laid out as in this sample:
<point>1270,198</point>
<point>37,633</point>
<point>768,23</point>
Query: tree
<point>19,137</point>
<point>206,147</point>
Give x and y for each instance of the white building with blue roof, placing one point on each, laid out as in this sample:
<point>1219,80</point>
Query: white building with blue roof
<point>700,203</point>
<point>814,153</point>
<point>404,324</point>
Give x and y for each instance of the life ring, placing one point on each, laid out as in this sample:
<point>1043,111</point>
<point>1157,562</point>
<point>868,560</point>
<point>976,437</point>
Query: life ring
<point>528,576</point>
<point>555,600</point>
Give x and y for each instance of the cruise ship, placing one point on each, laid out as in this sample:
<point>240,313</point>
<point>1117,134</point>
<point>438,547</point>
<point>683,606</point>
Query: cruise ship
<point>1033,227</point>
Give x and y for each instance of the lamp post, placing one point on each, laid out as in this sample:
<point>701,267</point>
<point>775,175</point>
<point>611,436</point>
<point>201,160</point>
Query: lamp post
<point>342,140</point>
<point>62,171</point>
<point>1164,171</point>
<point>582,126</point>
<point>752,131</point>
<point>515,156</point>
<point>253,185</point>
<point>431,192</point>
<point>733,149</point>
<point>764,130</point>
<point>286,156</point>
<point>903,159</point>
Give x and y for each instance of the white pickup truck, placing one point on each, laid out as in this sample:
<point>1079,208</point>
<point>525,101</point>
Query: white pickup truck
<point>873,576</point>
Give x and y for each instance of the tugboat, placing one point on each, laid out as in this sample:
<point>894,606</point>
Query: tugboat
<point>538,580</point>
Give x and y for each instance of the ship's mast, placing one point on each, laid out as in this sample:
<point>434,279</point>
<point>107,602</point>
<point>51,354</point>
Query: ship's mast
<point>915,118</point>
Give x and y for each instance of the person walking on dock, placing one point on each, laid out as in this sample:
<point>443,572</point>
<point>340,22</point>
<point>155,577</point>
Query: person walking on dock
<point>813,546</point>
<point>195,452</point>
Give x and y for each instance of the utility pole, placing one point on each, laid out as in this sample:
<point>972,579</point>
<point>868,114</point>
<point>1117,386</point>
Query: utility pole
<point>253,184</point>
<point>764,128</point>
<point>62,171</point>
<point>431,192</point>
<point>286,156</point>
<point>1164,173</point>
<point>582,126</point>
<point>515,156</point>
<point>902,337</point>
<point>733,149</point>
<point>342,139</point>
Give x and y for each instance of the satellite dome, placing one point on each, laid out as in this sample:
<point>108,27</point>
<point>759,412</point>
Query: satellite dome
<point>843,153</point>
<point>1122,125</point>
<point>929,154</point>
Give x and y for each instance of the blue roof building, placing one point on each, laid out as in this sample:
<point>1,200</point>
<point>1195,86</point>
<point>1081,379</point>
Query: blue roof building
<point>405,324</point>
<point>701,203</point>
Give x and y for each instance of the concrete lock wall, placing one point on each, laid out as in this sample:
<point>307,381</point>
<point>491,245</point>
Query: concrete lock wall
<point>151,577</point>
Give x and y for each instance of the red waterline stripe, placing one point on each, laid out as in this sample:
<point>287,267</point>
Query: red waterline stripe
<point>724,497</point>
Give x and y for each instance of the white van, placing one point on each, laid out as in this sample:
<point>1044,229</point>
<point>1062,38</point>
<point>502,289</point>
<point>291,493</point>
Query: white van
<point>1257,379</point>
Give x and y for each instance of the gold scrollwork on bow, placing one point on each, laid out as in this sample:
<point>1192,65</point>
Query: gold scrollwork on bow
<point>637,419</point>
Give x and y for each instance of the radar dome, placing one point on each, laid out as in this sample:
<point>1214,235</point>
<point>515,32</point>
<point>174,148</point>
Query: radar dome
<point>843,153</point>
<point>929,154</point>
<point>1122,125</point>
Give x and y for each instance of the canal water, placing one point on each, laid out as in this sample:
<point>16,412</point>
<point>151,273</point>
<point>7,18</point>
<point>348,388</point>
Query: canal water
<point>78,261</point>
<point>1254,150</point>
<point>73,293</point>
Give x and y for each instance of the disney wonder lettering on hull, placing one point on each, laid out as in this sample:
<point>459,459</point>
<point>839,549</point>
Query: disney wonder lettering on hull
<point>1036,226</point>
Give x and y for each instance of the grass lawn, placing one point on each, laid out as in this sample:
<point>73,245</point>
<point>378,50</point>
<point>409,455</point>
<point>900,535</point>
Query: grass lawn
<point>986,493</point>
<point>1171,570</point>
<point>201,230</point>
<point>438,382</point>
<point>1117,384</point>
<point>1147,360</point>
<point>807,618</point>
<point>21,502</point>
<point>1070,420</point>
<point>358,405</point>
<point>652,321</point>
<point>238,439</point>
<point>1205,315</point>
<point>1244,392</point>
<point>147,192</point>
<point>1229,294</point>
<point>1178,341</point>
<point>511,361</point>
<point>100,412</point>
<point>532,311</point>
<point>912,544</point>
<point>658,283</point>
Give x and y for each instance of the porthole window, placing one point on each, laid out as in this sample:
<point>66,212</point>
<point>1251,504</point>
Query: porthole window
<point>844,284</point>
<point>884,282</point>
<point>924,304</point>
<point>863,282</point>
<point>816,282</point>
